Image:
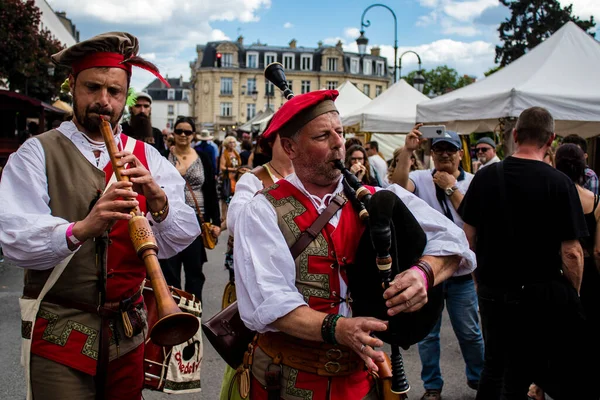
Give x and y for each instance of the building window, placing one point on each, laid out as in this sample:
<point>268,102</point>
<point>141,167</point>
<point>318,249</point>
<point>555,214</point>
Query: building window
<point>227,60</point>
<point>332,64</point>
<point>305,87</point>
<point>379,70</point>
<point>226,109</point>
<point>226,85</point>
<point>378,90</point>
<point>354,65</point>
<point>252,60</point>
<point>290,85</point>
<point>367,89</point>
<point>331,85</point>
<point>170,122</point>
<point>251,85</point>
<point>306,62</point>
<point>367,67</point>
<point>269,89</point>
<point>185,96</point>
<point>288,61</point>
<point>170,109</point>
<point>170,94</point>
<point>250,111</point>
<point>270,58</point>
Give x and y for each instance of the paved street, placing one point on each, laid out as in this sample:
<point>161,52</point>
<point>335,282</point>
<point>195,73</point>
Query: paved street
<point>11,378</point>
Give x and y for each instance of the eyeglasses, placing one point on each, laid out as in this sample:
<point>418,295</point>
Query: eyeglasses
<point>440,150</point>
<point>142,106</point>
<point>182,131</point>
<point>356,158</point>
<point>482,149</point>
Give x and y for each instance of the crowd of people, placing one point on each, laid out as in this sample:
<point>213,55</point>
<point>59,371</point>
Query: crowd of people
<point>513,247</point>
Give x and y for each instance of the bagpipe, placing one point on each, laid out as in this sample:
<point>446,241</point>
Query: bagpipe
<point>392,242</point>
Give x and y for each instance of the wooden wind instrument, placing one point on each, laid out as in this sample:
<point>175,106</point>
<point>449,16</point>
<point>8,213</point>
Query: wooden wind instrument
<point>173,326</point>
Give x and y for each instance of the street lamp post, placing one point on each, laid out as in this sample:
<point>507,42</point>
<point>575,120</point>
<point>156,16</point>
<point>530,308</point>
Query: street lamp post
<point>419,80</point>
<point>362,41</point>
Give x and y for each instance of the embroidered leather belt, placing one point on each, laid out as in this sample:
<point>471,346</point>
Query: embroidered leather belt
<point>108,310</point>
<point>318,358</point>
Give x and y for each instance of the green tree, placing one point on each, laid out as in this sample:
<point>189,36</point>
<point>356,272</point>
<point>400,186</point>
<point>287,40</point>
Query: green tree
<point>25,51</point>
<point>530,23</point>
<point>440,80</point>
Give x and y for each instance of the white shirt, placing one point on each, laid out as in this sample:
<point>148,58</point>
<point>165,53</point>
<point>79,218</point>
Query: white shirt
<point>32,238</point>
<point>494,160</point>
<point>425,189</point>
<point>266,271</point>
<point>378,164</point>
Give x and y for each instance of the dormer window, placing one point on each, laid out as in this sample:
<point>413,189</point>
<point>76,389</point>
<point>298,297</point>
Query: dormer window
<point>332,63</point>
<point>288,61</point>
<point>354,65</point>
<point>367,67</point>
<point>306,62</point>
<point>252,59</point>
<point>170,94</point>
<point>379,70</point>
<point>270,58</point>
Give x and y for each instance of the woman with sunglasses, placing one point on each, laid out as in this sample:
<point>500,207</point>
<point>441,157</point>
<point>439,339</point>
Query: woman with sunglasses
<point>200,194</point>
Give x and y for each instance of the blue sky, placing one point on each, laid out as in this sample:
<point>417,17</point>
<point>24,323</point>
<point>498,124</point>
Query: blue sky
<point>461,34</point>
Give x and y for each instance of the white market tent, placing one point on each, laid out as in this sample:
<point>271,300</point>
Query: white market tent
<point>259,122</point>
<point>350,99</point>
<point>560,74</point>
<point>393,112</point>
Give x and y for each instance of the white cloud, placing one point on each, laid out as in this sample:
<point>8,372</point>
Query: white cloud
<point>584,8</point>
<point>468,10</point>
<point>333,40</point>
<point>151,12</point>
<point>352,33</point>
<point>471,58</point>
<point>449,27</point>
<point>288,25</point>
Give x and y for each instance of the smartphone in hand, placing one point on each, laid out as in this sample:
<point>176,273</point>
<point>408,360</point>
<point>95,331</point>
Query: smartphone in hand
<point>432,131</point>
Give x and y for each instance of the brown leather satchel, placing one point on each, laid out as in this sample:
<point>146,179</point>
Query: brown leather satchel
<point>226,331</point>
<point>208,239</point>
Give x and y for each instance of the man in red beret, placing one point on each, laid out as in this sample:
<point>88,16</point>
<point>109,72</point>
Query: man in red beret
<point>64,220</point>
<point>308,345</point>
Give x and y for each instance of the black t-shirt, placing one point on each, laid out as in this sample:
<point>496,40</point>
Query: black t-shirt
<point>519,242</point>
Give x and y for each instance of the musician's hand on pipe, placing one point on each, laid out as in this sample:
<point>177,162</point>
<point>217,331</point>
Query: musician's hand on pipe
<point>354,332</point>
<point>142,180</point>
<point>113,205</point>
<point>407,292</point>
<point>413,139</point>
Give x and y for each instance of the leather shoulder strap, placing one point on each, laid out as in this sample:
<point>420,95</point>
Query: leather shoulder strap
<point>313,231</point>
<point>198,211</point>
<point>263,175</point>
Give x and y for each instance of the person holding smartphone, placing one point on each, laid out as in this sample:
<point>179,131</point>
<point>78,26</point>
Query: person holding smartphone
<point>443,188</point>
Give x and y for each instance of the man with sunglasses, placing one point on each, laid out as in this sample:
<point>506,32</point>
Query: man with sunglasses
<point>485,150</point>
<point>443,188</point>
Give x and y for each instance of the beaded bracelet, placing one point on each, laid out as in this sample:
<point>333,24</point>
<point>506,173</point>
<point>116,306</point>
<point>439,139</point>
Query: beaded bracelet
<point>328,328</point>
<point>159,216</point>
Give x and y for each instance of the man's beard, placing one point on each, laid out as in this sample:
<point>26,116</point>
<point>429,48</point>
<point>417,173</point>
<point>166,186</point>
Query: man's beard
<point>91,124</point>
<point>141,126</point>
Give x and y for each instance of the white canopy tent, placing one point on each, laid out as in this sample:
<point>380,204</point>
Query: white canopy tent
<point>392,112</point>
<point>560,74</point>
<point>350,99</point>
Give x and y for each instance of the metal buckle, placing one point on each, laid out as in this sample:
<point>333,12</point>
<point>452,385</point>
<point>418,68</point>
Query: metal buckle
<point>333,367</point>
<point>331,352</point>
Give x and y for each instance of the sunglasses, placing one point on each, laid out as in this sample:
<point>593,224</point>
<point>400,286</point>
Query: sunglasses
<point>440,150</point>
<point>482,149</point>
<point>182,131</point>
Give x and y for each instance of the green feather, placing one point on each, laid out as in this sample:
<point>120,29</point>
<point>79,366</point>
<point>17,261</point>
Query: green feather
<point>131,97</point>
<point>65,87</point>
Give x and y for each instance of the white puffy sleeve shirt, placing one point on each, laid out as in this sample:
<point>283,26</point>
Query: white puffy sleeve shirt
<point>32,238</point>
<point>266,272</point>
